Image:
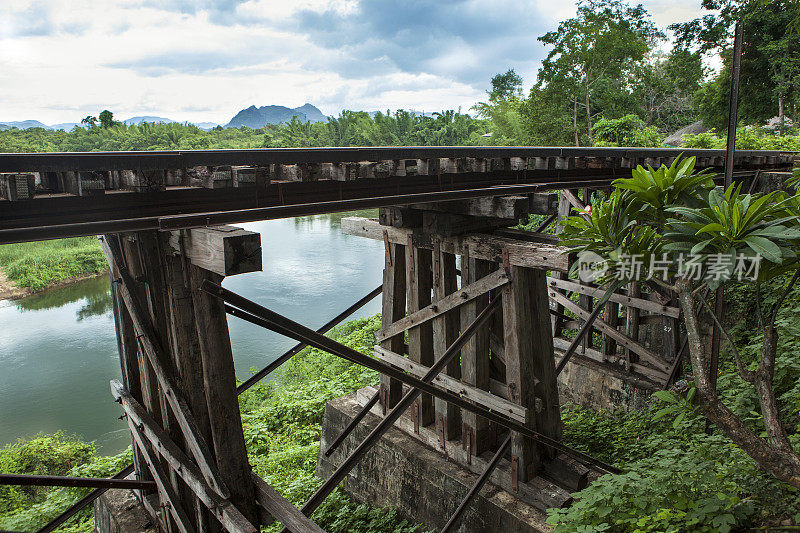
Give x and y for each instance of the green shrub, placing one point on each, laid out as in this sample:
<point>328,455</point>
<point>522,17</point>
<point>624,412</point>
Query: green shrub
<point>629,130</point>
<point>39,264</point>
<point>675,477</point>
<point>747,138</point>
<point>28,508</point>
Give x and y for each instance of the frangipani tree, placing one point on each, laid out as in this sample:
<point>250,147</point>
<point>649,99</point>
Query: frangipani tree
<point>690,237</point>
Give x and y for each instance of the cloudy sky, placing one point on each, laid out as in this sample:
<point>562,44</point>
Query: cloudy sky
<point>61,60</point>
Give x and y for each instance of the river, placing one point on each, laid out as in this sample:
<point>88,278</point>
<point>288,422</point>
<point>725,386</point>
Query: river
<point>58,349</point>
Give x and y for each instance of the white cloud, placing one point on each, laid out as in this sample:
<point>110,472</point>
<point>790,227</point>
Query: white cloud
<point>203,61</point>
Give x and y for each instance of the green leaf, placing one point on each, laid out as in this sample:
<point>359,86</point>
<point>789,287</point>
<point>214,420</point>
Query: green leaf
<point>768,249</point>
<point>666,396</point>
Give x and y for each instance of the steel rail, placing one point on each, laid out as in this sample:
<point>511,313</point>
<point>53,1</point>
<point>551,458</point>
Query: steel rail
<point>115,218</point>
<point>165,159</point>
<point>42,231</point>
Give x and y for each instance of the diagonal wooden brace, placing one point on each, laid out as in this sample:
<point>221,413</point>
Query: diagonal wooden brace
<point>230,517</point>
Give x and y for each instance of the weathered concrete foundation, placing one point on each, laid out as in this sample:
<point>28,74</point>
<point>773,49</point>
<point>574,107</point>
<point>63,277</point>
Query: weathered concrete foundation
<point>597,388</point>
<point>119,511</point>
<point>401,472</point>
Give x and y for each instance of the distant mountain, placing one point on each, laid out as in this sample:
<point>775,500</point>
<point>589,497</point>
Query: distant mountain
<point>66,126</point>
<point>24,124</point>
<point>258,117</point>
<point>139,120</point>
<point>205,125</point>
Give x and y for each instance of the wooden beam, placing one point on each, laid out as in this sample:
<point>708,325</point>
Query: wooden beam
<point>185,348</point>
<point>486,247</point>
<point>445,332</point>
<point>543,203</point>
<point>219,379</point>
<point>224,250</point>
<point>624,299</point>
<point>620,338</point>
<point>282,509</point>
<point>393,308</point>
<point>222,508</point>
<point>162,481</point>
<point>448,303</point>
<point>530,365</point>
<point>450,225</point>
<point>400,217</point>
<point>419,284</point>
<point>479,396</point>
<point>641,375</point>
<point>511,207</point>
<point>476,435</point>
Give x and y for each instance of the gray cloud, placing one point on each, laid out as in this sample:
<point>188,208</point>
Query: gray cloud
<point>418,35</point>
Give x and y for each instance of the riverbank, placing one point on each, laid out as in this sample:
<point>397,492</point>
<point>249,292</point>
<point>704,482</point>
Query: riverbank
<point>9,290</point>
<point>32,267</point>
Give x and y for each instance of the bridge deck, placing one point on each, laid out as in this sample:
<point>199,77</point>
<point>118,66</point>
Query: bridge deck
<point>71,194</point>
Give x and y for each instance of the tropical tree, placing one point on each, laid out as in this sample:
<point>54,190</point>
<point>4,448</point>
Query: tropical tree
<point>591,52</point>
<point>770,73</point>
<point>691,238</point>
<point>106,119</point>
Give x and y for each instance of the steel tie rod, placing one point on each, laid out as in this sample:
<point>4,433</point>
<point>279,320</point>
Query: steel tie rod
<point>290,328</point>
<point>267,370</point>
<point>479,483</point>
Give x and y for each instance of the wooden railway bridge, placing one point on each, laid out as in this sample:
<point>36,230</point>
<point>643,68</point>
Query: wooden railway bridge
<point>474,332</point>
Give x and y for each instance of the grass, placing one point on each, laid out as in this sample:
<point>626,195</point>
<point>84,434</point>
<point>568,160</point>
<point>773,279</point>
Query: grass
<point>38,264</point>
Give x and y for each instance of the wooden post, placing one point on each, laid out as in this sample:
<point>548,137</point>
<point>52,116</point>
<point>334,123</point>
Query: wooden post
<point>144,259</point>
<point>185,349</point>
<point>220,387</point>
<point>445,332</point>
<point>530,364</point>
<point>632,323</point>
<point>420,338</point>
<point>609,347</point>
<point>564,208</point>
<point>393,308</point>
<point>476,433</point>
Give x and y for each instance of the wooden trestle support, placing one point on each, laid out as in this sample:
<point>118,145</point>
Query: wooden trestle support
<point>178,390</point>
<point>509,364</point>
<point>476,379</point>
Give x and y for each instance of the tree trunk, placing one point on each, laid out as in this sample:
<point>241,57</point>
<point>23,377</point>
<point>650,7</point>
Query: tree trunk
<point>588,114</point>
<point>781,114</point>
<point>575,121</point>
<point>772,457</point>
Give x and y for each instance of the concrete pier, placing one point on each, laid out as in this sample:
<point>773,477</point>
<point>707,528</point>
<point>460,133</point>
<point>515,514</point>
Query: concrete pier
<point>403,473</point>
